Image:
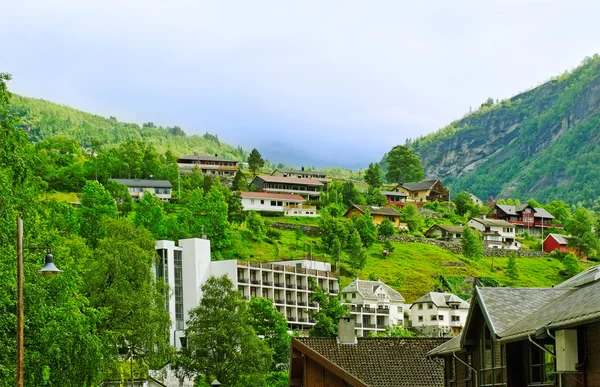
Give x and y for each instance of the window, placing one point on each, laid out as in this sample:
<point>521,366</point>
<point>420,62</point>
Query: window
<point>454,306</point>
<point>178,290</point>
<point>353,295</point>
<point>262,202</point>
<point>420,306</point>
<point>493,363</point>
<point>399,309</point>
<point>433,317</point>
<point>429,306</point>
<point>251,201</point>
<point>273,203</point>
<point>455,318</point>
<point>162,191</point>
<point>279,203</point>
<point>541,365</point>
<point>441,317</point>
<point>420,318</point>
<point>162,271</point>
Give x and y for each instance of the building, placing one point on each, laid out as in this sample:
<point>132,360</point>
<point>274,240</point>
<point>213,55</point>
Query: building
<point>301,174</point>
<point>186,267</point>
<point>362,362</point>
<point>447,232</point>
<point>526,218</point>
<point>439,314</point>
<point>395,198</point>
<point>310,189</point>
<point>378,213</point>
<point>558,242</point>
<point>497,234</point>
<point>288,204</point>
<point>208,165</point>
<point>374,305</point>
<point>529,337</point>
<point>424,191</point>
<point>137,187</point>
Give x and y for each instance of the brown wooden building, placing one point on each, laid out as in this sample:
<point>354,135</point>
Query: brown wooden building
<point>361,362</point>
<point>529,337</point>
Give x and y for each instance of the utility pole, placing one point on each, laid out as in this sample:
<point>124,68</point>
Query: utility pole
<point>20,313</point>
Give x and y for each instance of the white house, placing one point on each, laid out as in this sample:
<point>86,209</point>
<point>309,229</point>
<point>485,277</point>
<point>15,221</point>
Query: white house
<point>137,187</point>
<point>497,234</point>
<point>289,204</point>
<point>374,304</point>
<point>186,267</point>
<point>439,314</point>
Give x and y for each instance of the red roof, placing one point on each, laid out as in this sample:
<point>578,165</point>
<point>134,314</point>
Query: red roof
<point>289,180</point>
<point>269,195</point>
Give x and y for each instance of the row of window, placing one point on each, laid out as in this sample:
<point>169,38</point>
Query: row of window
<point>163,191</point>
<point>435,317</point>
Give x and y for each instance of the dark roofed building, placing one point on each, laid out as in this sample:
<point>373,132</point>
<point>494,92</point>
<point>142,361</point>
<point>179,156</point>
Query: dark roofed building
<point>373,362</point>
<point>447,232</point>
<point>300,173</point>
<point>525,218</point>
<point>308,188</point>
<point>527,337</point>
<point>209,165</point>
<point>424,191</point>
<point>137,187</point>
<point>378,213</point>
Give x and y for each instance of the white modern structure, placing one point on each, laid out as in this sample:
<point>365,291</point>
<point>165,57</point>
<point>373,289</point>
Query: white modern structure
<point>374,304</point>
<point>137,187</point>
<point>186,267</point>
<point>439,314</point>
<point>288,204</point>
<point>497,234</point>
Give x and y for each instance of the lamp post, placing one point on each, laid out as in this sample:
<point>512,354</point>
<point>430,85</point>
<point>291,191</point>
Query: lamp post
<point>49,270</point>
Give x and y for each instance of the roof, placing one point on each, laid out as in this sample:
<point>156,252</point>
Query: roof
<point>442,300</point>
<point>542,213</point>
<point>385,211</point>
<point>367,289</point>
<point>452,345</point>
<point>289,180</point>
<point>509,210</point>
<point>422,185</point>
<point>586,276</point>
<point>269,195</point>
<point>448,227</point>
<point>493,222</point>
<point>561,239</point>
<point>144,183</point>
<point>514,210</point>
<point>393,193</point>
<point>378,362</point>
<point>319,173</point>
<point>206,158</point>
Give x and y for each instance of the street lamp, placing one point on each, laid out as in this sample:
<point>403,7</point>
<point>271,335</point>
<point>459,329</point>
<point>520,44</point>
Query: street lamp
<point>49,270</point>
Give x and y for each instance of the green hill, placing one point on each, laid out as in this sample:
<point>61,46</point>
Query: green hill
<point>542,144</point>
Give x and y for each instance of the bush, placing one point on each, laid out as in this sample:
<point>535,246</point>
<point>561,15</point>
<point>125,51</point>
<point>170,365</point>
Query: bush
<point>273,234</point>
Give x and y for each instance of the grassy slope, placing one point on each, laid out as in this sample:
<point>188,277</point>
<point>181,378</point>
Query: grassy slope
<point>412,269</point>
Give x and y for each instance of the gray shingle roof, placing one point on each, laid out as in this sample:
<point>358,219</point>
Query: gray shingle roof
<point>385,211</point>
<point>419,185</point>
<point>206,158</point>
<point>316,173</point>
<point>289,180</point>
<point>542,213</point>
<point>510,210</point>
<point>493,222</point>
<point>140,183</point>
<point>586,276</point>
<point>383,362</point>
<point>452,345</point>
<point>393,193</point>
<point>442,300</point>
<point>448,227</point>
<point>367,289</point>
<point>514,210</point>
<point>562,239</point>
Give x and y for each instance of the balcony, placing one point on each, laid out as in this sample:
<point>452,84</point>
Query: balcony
<point>301,303</point>
<point>314,304</point>
<point>268,283</point>
<point>372,326</point>
<point>299,207</point>
<point>358,325</point>
<point>279,285</point>
<point>333,291</point>
<point>290,286</point>
<point>301,287</point>
<point>290,318</point>
<point>246,298</point>
<point>243,280</point>
<point>302,319</point>
<point>367,309</point>
<point>356,309</point>
<point>380,326</point>
<point>255,282</point>
<point>290,302</point>
<point>279,301</point>
<point>312,321</point>
<point>383,311</point>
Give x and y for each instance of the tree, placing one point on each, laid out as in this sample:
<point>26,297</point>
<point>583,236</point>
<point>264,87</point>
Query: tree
<point>412,217</point>
<point>366,228</point>
<point>96,205</point>
<point>255,161</point>
<point>472,246</point>
<point>357,253</point>
<point>221,343</point>
<point>463,203</point>
<point>272,325</point>
<point>330,229</point>
<point>239,181</point>
<point>512,271</point>
<point>256,225</point>
<point>374,197</point>
<point>149,214</point>
<point>214,218</point>
<point>121,196</point>
<point>351,195</point>
<point>373,175</point>
<point>571,265</point>
<point>386,229</point>
<point>235,210</point>
<point>298,234</point>
<point>329,313</point>
<point>583,239</point>
<point>403,165</point>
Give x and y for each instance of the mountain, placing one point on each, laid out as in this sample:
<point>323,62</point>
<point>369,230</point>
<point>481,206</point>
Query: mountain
<point>542,144</point>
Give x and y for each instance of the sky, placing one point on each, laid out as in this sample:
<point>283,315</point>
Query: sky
<point>307,83</point>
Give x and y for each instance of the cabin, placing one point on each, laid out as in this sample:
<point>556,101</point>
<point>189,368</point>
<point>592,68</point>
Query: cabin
<point>137,187</point>
<point>424,191</point>
<point>378,213</point>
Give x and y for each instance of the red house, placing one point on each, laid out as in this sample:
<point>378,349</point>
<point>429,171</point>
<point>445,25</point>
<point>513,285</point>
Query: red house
<point>558,242</point>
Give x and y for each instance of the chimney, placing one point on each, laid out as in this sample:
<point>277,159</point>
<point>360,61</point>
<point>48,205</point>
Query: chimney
<point>216,155</point>
<point>346,330</point>
<point>483,216</point>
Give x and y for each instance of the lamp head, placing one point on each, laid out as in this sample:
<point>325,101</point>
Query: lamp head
<point>50,270</point>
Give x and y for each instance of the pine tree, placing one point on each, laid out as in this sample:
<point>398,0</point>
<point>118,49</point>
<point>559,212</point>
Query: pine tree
<point>512,271</point>
<point>471,243</point>
<point>255,161</point>
<point>373,175</point>
<point>357,253</point>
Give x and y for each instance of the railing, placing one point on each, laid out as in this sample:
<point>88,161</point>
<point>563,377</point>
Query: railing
<point>290,302</point>
<point>290,286</point>
<point>254,264</point>
<point>299,207</point>
<point>333,291</point>
<point>290,318</point>
<point>380,326</point>
<point>290,269</point>
<point>301,303</point>
<point>279,285</point>
<point>357,309</point>
<point>268,283</point>
<point>314,304</point>
<point>278,267</point>
<point>300,270</point>
<point>255,282</point>
<point>243,280</point>
<point>312,320</point>
<point>358,325</point>
<point>383,310</point>
<point>267,266</point>
<point>246,297</point>
<point>368,309</point>
<point>301,287</point>
<point>369,325</point>
<point>278,301</point>
<point>302,319</point>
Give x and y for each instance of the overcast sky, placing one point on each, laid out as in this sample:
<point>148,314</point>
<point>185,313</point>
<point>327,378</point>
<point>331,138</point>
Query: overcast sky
<point>320,82</point>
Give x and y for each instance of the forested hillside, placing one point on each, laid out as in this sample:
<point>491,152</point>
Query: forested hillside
<point>542,144</point>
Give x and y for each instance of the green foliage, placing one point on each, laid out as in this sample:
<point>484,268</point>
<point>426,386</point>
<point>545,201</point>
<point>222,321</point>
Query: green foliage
<point>397,330</point>
<point>351,195</point>
<point>374,175</point>
<point>270,324</point>
<point>121,196</point>
<point>235,211</point>
<point>412,217</point>
<point>373,197</point>
<point>256,225</point>
<point>583,239</point>
<point>299,234</point>
<point>330,229</point>
<point>471,243</point>
<point>571,265</point>
<point>463,203</point>
<point>403,165</point>
<point>386,229</point>
<point>366,228</point>
<point>149,214</point>
<point>512,271</point>
<point>221,343</point>
<point>239,181</point>
<point>357,254</point>
<point>255,161</point>
<point>96,205</point>
<point>329,313</point>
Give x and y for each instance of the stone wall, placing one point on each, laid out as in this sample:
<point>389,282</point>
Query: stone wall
<point>306,229</point>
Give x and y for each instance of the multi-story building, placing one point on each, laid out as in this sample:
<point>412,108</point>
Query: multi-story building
<point>439,314</point>
<point>306,174</point>
<point>423,191</point>
<point>374,304</point>
<point>186,267</point>
<point>497,234</point>
<point>526,218</point>
<point>137,187</point>
<point>209,165</point>
<point>288,204</point>
<point>305,187</point>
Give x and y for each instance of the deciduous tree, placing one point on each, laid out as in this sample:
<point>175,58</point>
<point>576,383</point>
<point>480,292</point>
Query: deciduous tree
<point>357,254</point>
<point>329,313</point>
<point>373,175</point>
<point>472,246</point>
<point>403,165</point>
<point>386,229</point>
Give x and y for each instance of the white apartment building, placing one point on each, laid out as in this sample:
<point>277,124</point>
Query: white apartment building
<point>374,305</point>
<point>186,267</point>
<point>498,234</point>
<point>289,204</point>
<point>137,187</point>
<point>439,314</point>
